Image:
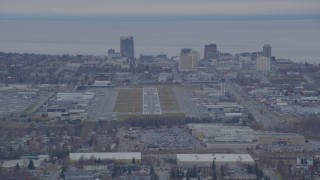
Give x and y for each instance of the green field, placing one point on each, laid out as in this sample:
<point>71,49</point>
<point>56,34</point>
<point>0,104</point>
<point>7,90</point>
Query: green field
<point>168,101</point>
<point>129,100</point>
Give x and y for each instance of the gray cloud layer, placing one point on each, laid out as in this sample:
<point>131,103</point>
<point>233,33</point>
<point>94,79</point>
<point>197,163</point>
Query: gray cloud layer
<point>179,7</point>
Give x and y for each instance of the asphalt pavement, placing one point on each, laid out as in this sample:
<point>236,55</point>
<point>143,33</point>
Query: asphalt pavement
<point>186,105</point>
<point>151,103</point>
<point>102,105</point>
<point>260,113</point>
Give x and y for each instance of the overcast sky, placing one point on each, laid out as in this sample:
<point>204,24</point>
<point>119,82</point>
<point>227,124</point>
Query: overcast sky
<point>162,7</point>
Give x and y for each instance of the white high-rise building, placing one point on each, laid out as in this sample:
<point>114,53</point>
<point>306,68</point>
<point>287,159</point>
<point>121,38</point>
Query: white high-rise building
<point>188,60</point>
<point>263,64</point>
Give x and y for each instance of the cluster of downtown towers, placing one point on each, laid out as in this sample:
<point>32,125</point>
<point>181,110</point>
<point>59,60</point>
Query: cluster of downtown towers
<point>188,58</point>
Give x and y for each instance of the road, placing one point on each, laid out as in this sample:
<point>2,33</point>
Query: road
<point>102,105</point>
<point>186,105</point>
<point>271,174</point>
<point>54,175</point>
<point>260,113</point>
<point>39,103</point>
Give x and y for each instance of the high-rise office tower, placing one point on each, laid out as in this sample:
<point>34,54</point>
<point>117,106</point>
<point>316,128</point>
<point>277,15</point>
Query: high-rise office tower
<point>127,47</point>
<point>188,60</point>
<point>210,50</point>
<point>111,51</point>
<point>267,51</point>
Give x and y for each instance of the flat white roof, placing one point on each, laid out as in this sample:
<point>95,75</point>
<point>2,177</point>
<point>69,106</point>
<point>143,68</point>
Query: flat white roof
<point>233,114</point>
<point>219,158</point>
<point>77,110</point>
<point>22,162</point>
<point>102,155</point>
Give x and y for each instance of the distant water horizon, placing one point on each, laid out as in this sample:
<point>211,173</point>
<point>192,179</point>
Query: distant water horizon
<point>298,40</point>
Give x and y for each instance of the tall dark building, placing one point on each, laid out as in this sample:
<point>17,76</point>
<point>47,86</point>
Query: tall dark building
<point>267,51</point>
<point>210,50</point>
<point>127,46</point>
<point>111,51</point>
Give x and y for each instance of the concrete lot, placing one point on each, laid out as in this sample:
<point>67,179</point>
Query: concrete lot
<point>186,105</point>
<point>11,102</point>
<point>102,105</point>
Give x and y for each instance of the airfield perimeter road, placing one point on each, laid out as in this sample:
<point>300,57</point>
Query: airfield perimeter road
<point>186,105</point>
<point>151,103</point>
<point>102,105</point>
<point>260,113</point>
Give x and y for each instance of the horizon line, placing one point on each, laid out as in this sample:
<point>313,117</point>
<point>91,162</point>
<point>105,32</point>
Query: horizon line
<point>153,17</point>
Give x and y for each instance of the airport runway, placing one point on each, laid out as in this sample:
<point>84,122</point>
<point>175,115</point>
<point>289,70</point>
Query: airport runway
<point>151,103</point>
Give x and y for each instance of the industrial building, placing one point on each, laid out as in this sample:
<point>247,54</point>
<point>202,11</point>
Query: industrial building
<point>24,161</point>
<point>225,107</point>
<point>205,160</point>
<point>218,136</point>
<point>69,106</point>
<point>125,157</point>
<point>274,138</point>
<point>70,96</point>
<point>102,84</point>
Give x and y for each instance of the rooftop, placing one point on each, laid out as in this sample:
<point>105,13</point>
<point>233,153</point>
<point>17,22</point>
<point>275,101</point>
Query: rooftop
<point>107,155</point>
<point>222,133</point>
<point>219,158</point>
<point>270,133</point>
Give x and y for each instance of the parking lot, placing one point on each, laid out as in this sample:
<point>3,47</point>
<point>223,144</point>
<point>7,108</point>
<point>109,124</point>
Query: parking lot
<point>155,139</point>
<point>102,105</point>
<point>11,102</point>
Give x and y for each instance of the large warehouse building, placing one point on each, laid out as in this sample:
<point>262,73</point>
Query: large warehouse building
<point>205,160</point>
<point>274,138</point>
<point>116,156</point>
<point>218,136</point>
